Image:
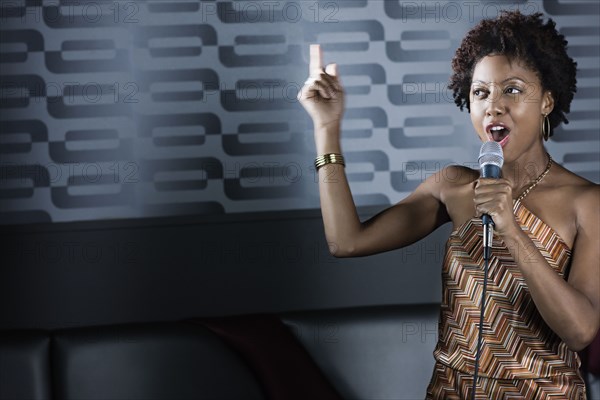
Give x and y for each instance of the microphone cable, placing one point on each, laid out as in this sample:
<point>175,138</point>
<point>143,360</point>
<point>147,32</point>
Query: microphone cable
<point>480,335</point>
<point>490,160</point>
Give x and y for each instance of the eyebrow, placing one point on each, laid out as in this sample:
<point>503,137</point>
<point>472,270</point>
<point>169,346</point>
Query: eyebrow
<point>512,78</point>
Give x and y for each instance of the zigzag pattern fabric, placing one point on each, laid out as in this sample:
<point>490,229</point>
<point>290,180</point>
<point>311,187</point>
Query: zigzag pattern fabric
<point>521,357</point>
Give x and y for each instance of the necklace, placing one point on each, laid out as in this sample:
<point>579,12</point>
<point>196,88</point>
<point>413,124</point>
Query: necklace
<point>537,180</point>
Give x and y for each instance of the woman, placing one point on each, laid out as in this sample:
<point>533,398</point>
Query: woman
<point>543,292</point>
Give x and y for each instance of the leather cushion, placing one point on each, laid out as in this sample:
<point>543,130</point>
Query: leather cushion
<point>382,352</point>
<point>148,361</point>
<point>24,365</point>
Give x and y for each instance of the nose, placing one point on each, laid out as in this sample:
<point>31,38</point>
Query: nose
<point>495,104</point>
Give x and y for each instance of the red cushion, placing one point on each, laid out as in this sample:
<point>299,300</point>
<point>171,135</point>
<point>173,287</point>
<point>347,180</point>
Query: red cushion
<point>282,365</point>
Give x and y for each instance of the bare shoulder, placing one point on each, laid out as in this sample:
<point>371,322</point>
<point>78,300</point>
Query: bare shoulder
<point>582,193</point>
<point>587,202</point>
<point>446,188</point>
<point>452,187</point>
<point>565,201</point>
<point>576,197</point>
<point>458,174</point>
<point>454,180</point>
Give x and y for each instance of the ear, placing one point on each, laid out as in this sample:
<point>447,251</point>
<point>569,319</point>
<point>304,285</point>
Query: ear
<point>547,102</point>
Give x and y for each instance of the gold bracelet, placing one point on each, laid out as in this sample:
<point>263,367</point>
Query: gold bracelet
<point>331,158</point>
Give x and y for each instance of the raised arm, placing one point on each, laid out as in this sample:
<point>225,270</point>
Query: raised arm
<point>400,225</point>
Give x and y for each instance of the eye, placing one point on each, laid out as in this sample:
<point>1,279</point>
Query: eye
<point>513,90</point>
<point>478,92</point>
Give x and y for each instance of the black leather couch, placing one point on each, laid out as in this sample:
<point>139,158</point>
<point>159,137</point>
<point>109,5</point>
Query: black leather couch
<point>379,352</point>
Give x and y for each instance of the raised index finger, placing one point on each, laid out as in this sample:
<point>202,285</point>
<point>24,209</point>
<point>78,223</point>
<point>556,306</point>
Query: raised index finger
<point>316,63</point>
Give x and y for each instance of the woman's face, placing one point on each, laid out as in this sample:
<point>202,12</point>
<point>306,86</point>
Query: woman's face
<point>507,103</point>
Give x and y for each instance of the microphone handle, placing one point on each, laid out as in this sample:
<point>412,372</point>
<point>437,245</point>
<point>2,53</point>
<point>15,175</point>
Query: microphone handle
<point>488,235</point>
<point>487,220</point>
<point>489,171</point>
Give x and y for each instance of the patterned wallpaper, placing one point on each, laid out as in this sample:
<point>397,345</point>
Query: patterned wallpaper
<point>128,109</point>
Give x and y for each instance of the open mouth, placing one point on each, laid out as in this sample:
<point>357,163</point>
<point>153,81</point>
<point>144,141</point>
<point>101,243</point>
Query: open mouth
<point>498,133</point>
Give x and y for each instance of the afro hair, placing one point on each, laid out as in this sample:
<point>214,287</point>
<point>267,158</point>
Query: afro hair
<point>519,37</point>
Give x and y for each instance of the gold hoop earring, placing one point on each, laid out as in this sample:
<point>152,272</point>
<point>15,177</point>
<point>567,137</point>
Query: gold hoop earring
<point>546,128</point>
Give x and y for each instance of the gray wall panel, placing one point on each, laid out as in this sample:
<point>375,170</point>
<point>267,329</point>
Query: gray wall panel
<point>111,109</point>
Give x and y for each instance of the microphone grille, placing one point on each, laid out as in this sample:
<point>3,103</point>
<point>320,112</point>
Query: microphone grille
<point>491,153</point>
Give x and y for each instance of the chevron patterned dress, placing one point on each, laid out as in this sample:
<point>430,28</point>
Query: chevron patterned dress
<point>521,357</point>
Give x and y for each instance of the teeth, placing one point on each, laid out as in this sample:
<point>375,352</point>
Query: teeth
<point>496,128</point>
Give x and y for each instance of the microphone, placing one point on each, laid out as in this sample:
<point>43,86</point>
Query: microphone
<point>490,163</point>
